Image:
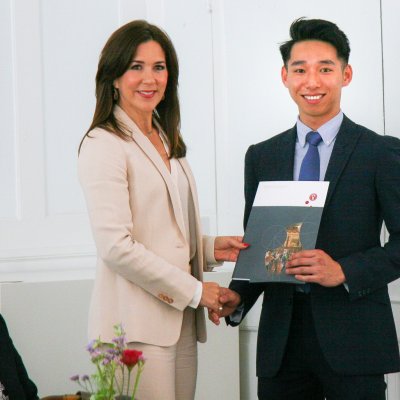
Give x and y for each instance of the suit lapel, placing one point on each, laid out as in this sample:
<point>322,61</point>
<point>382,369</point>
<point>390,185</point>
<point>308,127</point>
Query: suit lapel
<point>192,185</point>
<point>345,143</point>
<point>284,153</point>
<point>197,267</point>
<point>155,158</point>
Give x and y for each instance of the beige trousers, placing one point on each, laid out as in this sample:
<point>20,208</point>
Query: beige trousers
<point>170,372</point>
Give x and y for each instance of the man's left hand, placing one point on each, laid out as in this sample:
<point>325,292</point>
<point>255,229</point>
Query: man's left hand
<point>315,266</point>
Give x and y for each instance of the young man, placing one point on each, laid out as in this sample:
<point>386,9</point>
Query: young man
<point>336,338</point>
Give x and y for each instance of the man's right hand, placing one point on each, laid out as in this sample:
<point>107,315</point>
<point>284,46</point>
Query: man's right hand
<point>229,301</point>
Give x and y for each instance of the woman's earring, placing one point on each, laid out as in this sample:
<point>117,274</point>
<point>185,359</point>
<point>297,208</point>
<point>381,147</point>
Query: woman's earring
<point>115,94</point>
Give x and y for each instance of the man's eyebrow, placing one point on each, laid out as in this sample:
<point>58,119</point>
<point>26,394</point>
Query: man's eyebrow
<point>328,62</point>
<point>296,63</point>
<point>302,62</point>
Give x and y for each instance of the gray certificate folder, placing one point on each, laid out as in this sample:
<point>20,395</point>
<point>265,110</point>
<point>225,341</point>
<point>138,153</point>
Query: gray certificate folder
<point>274,232</point>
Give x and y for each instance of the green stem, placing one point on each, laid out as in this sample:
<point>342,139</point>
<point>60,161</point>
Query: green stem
<point>129,380</point>
<point>120,387</point>
<point>140,369</point>
<point>123,379</point>
<point>111,386</point>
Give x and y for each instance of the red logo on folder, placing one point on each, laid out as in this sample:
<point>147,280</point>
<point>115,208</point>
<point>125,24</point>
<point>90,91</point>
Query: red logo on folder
<point>313,196</point>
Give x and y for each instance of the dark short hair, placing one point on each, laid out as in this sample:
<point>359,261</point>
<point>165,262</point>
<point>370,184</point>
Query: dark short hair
<point>115,59</point>
<point>316,29</point>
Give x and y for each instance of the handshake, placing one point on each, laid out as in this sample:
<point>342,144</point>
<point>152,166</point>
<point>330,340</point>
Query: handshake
<point>220,301</point>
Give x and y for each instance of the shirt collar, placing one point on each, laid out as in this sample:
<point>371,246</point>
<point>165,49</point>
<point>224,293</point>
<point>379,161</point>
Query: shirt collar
<point>328,131</point>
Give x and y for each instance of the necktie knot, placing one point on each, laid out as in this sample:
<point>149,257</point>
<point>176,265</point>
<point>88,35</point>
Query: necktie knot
<point>313,138</point>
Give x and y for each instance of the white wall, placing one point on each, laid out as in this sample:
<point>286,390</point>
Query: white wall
<point>231,96</point>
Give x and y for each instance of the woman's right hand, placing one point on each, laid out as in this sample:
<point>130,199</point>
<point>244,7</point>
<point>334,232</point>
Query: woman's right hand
<point>230,300</point>
<point>210,296</point>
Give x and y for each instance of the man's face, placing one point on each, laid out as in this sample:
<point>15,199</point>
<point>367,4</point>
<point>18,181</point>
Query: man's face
<point>315,77</point>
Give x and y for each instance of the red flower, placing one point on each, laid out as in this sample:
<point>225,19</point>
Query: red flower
<point>131,357</point>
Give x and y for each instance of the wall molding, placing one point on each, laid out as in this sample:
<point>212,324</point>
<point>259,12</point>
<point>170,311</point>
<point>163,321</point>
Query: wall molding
<point>48,267</point>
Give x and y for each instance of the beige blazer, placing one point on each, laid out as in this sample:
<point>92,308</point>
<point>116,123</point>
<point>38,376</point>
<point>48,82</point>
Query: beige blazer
<point>143,277</point>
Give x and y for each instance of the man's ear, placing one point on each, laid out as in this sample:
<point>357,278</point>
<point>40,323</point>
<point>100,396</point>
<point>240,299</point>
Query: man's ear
<point>284,73</point>
<point>347,75</point>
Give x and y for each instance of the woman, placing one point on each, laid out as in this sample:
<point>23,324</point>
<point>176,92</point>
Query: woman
<point>142,204</point>
<point>14,380</point>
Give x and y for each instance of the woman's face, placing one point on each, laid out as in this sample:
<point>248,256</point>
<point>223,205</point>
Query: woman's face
<point>142,86</point>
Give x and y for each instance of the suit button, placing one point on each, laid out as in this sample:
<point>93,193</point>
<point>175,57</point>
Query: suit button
<point>165,298</point>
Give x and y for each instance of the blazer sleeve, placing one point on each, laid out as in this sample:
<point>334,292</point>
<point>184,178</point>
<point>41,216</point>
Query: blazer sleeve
<point>249,294</point>
<point>11,362</point>
<point>376,267</point>
<point>28,386</point>
<point>208,248</point>
<point>103,172</point>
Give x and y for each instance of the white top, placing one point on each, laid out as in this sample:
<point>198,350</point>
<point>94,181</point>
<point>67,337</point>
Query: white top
<point>186,205</point>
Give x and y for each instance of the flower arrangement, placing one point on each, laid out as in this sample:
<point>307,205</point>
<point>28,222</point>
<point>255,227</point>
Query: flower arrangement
<point>111,359</point>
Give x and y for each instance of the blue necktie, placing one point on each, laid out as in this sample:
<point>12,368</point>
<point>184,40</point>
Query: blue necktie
<point>309,171</point>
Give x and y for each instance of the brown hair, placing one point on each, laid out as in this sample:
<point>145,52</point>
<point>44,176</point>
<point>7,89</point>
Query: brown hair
<point>115,59</point>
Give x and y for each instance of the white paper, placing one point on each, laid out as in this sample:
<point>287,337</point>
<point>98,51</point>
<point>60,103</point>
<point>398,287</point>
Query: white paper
<point>291,193</point>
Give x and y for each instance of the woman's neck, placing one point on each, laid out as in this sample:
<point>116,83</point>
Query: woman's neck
<point>143,120</point>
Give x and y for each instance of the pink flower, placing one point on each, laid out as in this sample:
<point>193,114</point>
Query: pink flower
<point>131,357</point>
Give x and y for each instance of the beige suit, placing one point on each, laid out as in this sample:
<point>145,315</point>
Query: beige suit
<point>143,277</point>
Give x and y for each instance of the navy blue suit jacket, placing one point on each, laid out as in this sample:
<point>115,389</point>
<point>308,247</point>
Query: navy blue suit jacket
<point>13,375</point>
<point>355,328</point>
